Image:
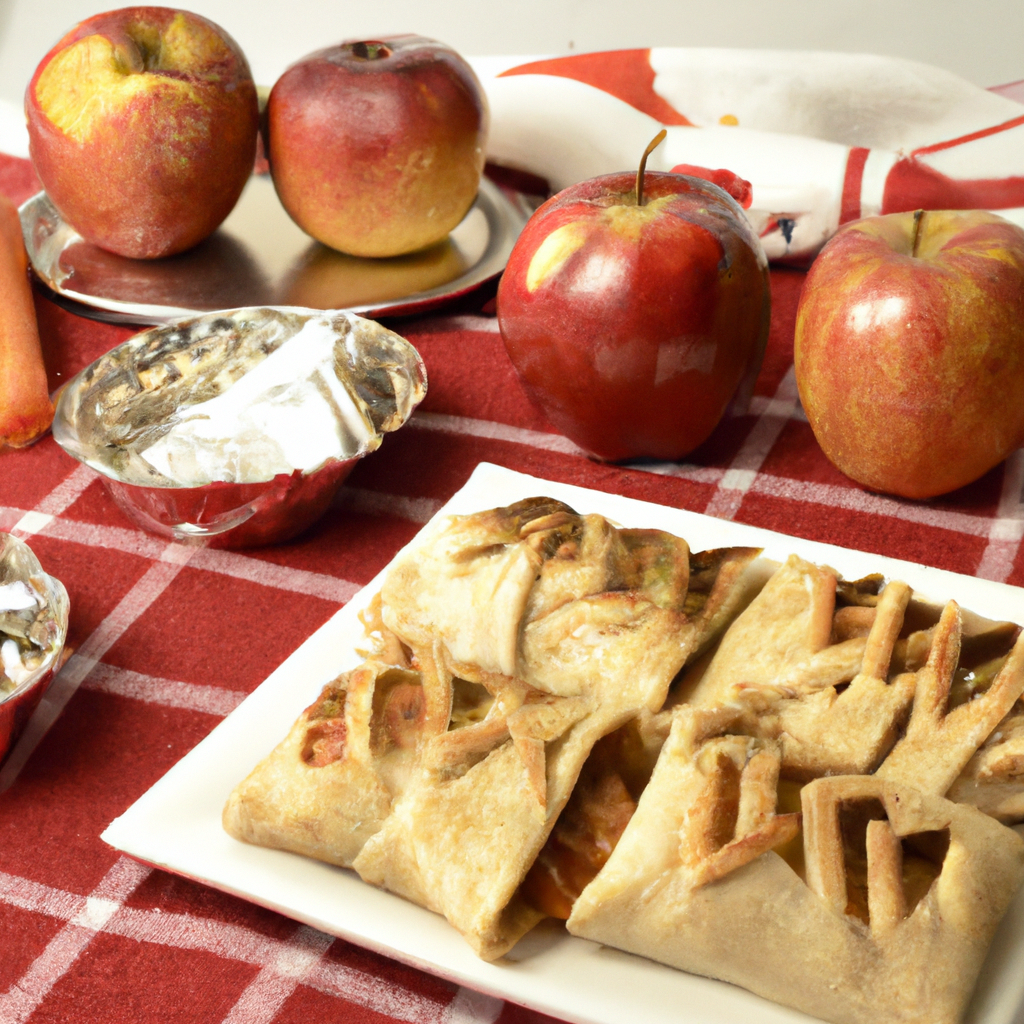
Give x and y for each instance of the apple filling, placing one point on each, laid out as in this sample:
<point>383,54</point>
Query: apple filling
<point>596,815</point>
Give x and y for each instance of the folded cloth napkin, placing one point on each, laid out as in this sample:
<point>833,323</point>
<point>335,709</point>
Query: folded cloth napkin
<point>824,138</point>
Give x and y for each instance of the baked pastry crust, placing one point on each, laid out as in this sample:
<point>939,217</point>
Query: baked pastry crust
<point>691,884</point>
<point>807,831</point>
<point>573,627</point>
<point>328,785</point>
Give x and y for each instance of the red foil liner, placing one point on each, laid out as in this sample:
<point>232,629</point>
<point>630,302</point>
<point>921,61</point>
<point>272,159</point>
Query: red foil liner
<point>16,710</point>
<point>226,515</point>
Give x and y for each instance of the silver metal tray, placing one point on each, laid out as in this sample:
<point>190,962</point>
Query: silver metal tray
<point>259,256</point>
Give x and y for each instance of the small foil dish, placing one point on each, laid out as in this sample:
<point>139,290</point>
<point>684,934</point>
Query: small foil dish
<point>33,628</point>
<point>236,428</point>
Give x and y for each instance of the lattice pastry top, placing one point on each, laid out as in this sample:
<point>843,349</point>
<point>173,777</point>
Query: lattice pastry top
<point>742,776</point>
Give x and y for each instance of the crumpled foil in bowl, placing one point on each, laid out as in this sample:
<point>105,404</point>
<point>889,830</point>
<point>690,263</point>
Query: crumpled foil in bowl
<point>237,427</point>
<point>33,627</point>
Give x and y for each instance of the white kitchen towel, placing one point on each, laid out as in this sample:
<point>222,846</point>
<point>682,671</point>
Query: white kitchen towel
<point>823,138</point>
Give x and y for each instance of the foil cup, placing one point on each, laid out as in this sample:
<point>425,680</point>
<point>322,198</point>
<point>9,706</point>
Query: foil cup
<point>233,515</point>
<point>18,698</point>
<point>236,428</point>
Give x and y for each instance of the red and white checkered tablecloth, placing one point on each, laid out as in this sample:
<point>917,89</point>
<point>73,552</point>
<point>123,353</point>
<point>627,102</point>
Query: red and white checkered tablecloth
<point>167,639</point>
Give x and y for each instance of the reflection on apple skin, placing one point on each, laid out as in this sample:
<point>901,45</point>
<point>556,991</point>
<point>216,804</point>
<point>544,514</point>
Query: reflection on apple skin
<point>877,312</point>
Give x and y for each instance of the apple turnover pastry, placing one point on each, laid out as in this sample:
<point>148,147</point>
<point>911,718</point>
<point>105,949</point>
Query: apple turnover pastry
<point>328,786</point>
<point>511,641</point>
<point>879,900</point>
<point>570,627</point>
<point>760,773</point>
<point>881,907</point>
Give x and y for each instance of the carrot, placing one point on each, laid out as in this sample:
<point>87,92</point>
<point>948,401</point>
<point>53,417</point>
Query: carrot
<point>25,407</point>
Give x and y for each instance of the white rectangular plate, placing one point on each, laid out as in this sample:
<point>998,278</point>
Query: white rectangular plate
<point>176,825</point>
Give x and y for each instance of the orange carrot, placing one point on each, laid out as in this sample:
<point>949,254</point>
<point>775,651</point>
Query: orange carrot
<point>25,407</point>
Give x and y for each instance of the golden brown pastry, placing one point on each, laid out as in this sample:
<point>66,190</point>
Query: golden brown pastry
<point>831,669</point>
<point>884,911</point>
<point>570,627</point>
<point>506,644</point>
<point>558,718</point>
<point>328,786</point>
<point>993,779</point>
<point>815,671</point>
<point>940,741</point>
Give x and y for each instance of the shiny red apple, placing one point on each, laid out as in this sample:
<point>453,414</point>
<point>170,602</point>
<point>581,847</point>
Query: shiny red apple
<point>142,128</point>
<point>632,323</point>
<point>909,349</point>
<point>376,147</point>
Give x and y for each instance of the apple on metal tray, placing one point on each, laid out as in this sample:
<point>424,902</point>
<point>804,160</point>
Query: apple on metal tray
<point>142,128</point>
<point>376,147</point>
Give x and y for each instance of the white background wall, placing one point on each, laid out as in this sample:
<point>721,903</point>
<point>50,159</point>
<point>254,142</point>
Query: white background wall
<point>982,40</point>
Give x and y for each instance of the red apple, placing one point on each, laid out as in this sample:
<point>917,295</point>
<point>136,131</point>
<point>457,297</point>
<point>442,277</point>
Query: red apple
<point>376,148</point>
<point>632,325</point>
<point>142,128</point>
<point>909,349</point>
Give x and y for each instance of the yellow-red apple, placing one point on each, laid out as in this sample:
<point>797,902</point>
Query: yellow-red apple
<point>376,148</point>
<point>633,323</point>
<point>909,349</point>
<point>142,128</point>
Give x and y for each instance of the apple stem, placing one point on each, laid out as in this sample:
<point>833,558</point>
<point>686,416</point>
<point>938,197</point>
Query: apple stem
<point>918,214</point>
<point>651,146</point>
<point>371,50</point>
